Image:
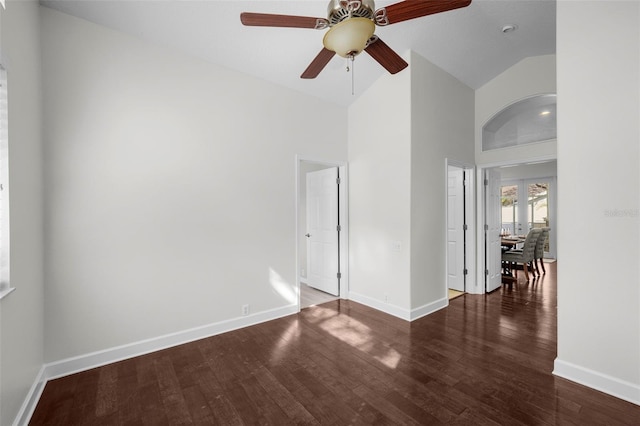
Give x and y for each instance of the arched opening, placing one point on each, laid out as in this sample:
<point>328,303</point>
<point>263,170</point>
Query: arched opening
<point>529,120</point>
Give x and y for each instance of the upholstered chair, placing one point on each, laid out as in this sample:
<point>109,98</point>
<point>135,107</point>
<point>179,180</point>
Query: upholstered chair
<point>539,254</point>
<point>526,255</point>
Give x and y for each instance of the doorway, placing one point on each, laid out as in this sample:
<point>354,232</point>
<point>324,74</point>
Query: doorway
<point>458,230</point>
<point>528,204</point>
<point>516,197</point>
<point>321,231</point>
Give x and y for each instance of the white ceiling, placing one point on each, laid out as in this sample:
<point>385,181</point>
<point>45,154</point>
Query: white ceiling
<point>468,43</point>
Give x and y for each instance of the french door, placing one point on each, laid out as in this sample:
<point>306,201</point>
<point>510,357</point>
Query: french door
<point>528,204</point>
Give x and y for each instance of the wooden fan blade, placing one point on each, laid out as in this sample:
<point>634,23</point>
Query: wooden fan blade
<point>318,63</point>
<point>385,56</point>
<point>411,9</point>
<point>269,20</point>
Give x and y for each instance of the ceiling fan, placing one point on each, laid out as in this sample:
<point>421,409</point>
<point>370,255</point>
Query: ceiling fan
<point>351,26</point>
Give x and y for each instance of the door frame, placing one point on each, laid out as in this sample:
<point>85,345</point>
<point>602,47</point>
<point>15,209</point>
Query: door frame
<point>343,212</point>
<point>470,281</point>
<point>480,191</point>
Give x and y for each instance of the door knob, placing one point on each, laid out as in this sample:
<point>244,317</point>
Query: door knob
<point>307,235</point>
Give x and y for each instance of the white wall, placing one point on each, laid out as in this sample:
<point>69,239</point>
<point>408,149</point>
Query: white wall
<point>531,76</point>
<point>400,132</point>
<point>379,195</point>
<point>156,164</point>
<point>599,160</point>
<point>442,127</point>
<point>21,312</point>
<point>170,188</point>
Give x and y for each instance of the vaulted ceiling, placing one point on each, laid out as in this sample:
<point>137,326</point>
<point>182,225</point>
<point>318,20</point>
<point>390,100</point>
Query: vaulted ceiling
<point>468,43</point>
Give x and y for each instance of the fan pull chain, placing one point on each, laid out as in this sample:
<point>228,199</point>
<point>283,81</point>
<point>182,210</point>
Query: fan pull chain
<point>353,72</point>
<point>351,69</point>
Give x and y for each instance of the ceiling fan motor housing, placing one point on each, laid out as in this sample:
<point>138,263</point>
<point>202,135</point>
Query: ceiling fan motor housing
<point>339,10</point>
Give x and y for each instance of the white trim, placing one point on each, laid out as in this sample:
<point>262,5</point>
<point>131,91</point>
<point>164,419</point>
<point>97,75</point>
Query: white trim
<point>96,359</point>
<point>518,161</point>
<point>5,292</point>
<point>429,308</point>
<point>397,311</point>
<point>31,401</point>
<point>480,221</point>
<point>344,233</point>
<point>5,210</point>
<point>472,285</point>
<point>387,308</point>
<point>88,361</point>
<point>602,382</point>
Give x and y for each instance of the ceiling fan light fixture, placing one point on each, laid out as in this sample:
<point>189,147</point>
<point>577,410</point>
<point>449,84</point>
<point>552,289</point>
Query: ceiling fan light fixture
<point>349,37</point>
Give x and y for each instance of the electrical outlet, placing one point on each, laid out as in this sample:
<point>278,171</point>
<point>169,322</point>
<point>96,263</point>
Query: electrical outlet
<point>245,310</point>
<point>396,246</point>
<point>303,272</point>
<point>386,297</point>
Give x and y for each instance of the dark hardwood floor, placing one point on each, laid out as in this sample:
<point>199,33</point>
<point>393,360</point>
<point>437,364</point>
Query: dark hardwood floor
<point>483,360</point>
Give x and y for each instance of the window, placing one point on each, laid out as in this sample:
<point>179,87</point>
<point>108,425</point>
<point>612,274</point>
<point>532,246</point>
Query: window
<point>4,186</point>
<point>529,120</point>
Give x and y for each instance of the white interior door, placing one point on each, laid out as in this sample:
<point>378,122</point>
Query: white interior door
<point>322,231</point>
<point>493,249</point>
<point>455,228</point>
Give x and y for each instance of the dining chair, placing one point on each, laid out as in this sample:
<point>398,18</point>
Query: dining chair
<point>526,255</point>
<point>539,253</point>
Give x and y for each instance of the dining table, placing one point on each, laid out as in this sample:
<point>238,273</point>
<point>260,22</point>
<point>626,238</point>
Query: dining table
<point>509,242</point>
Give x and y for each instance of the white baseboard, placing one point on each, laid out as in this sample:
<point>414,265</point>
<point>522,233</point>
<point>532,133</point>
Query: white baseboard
<point>30,402</point>
<point>396,311</point>
<point>88,361</point>
<point>387,308</point>
<point>602,382</point>
<point>429,308</point>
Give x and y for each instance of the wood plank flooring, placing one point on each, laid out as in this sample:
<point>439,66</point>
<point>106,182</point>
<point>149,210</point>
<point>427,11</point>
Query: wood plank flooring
<point>484,360</point>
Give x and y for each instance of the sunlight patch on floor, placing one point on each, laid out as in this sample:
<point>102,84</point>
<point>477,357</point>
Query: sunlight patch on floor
<point>357,335</point>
